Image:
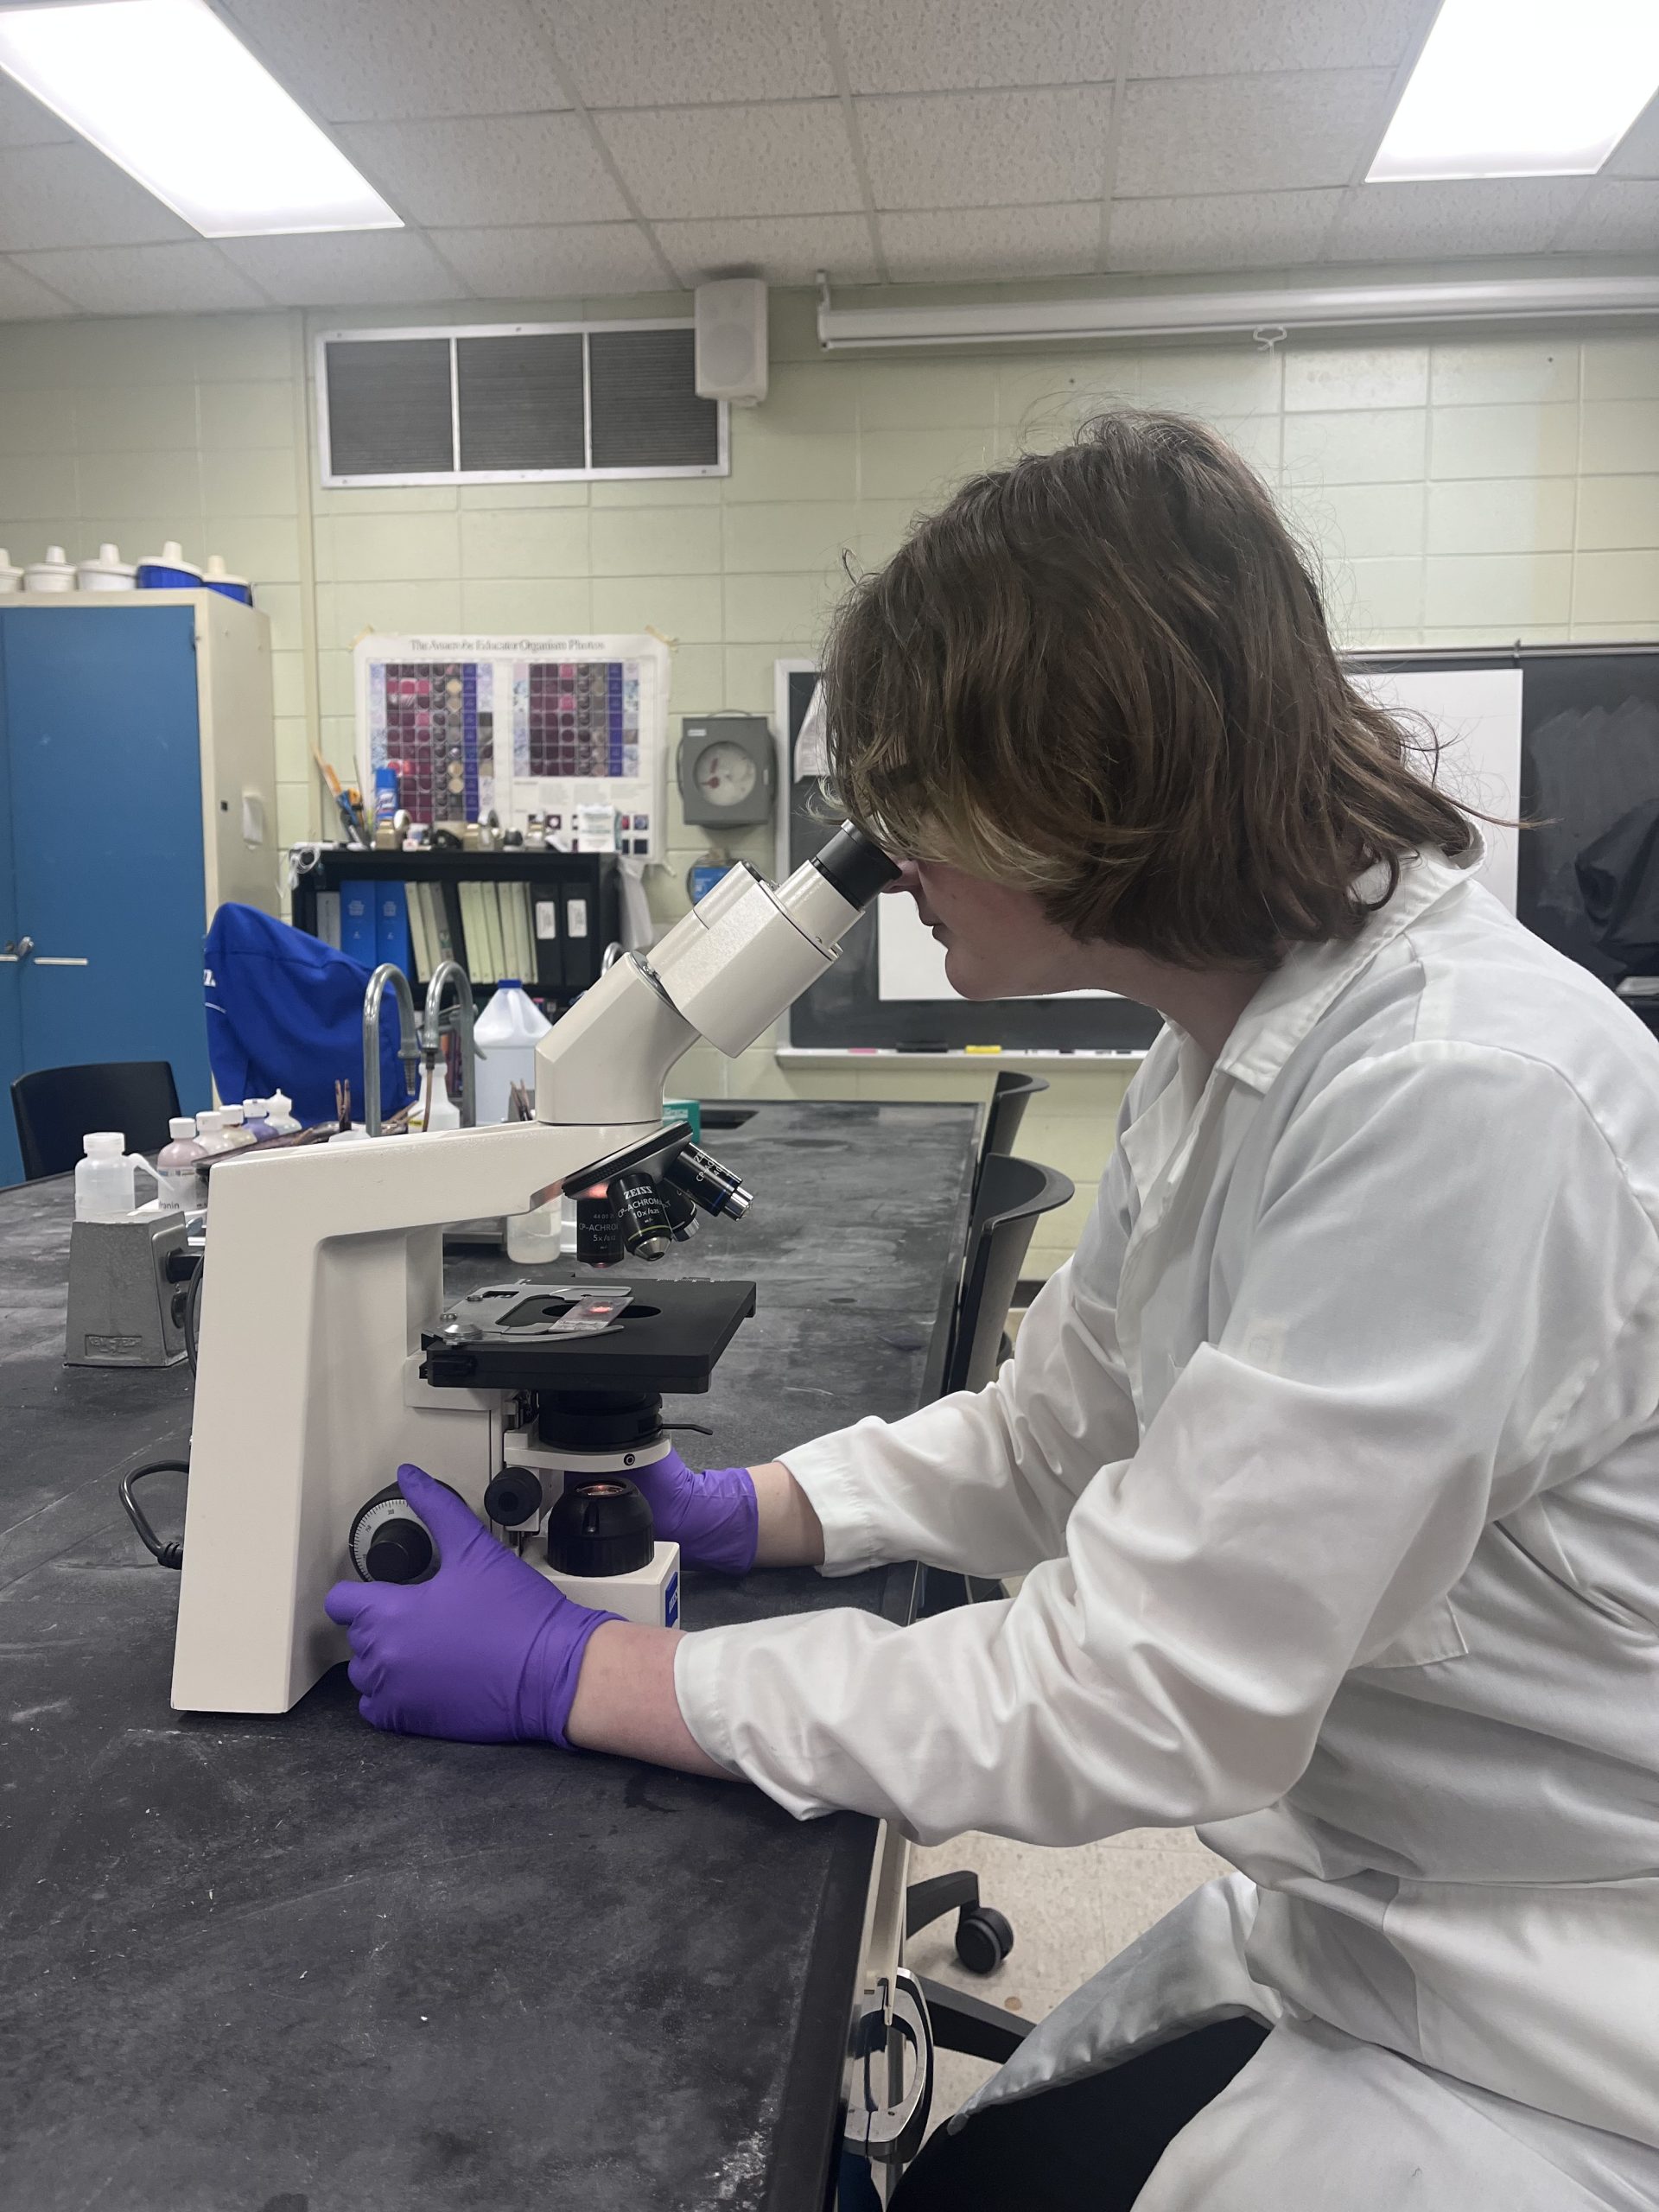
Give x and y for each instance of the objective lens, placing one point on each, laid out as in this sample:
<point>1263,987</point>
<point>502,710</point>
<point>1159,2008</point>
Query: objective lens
<point>643,1218</point>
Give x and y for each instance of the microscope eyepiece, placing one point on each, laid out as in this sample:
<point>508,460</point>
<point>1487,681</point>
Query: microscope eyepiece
<point>855,865</point>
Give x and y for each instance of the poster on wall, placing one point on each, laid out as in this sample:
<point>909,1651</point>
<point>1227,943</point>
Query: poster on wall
<point>573,729</point>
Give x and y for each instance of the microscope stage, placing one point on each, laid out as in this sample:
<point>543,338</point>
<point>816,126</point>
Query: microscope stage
<point>667,1337</point>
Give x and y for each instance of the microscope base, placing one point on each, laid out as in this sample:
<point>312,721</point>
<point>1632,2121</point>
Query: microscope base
<point>650,1595</point>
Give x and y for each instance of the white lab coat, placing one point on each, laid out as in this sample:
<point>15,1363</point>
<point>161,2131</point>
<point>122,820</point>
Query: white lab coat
<point>1332,1462</point>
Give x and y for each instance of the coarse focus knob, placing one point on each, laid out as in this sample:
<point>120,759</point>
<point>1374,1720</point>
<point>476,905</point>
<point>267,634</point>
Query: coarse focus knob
<point>401,1552</point>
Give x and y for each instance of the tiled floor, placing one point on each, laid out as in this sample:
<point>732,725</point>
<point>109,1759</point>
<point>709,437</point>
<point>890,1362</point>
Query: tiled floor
<point>1072,1910</point>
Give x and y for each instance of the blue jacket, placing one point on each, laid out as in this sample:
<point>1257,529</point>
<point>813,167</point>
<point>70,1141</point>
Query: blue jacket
<point>285,1011</point>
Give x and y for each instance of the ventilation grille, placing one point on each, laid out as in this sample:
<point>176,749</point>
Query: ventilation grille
<point>577,400</point>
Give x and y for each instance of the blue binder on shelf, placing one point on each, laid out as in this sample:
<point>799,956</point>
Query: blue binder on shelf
<point>391,926</point>
<point>358,926</point>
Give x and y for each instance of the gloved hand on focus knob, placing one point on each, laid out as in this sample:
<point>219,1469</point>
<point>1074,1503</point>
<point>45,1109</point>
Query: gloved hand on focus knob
<point>713,1517</point>
<point>487,1652</point>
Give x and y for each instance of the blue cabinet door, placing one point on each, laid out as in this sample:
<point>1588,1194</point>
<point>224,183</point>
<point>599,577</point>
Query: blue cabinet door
<point>103,760</point>
<point>11,1030</point>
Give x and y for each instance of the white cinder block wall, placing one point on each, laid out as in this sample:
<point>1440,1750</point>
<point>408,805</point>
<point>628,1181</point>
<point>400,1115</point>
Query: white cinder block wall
<point>1472,492</point>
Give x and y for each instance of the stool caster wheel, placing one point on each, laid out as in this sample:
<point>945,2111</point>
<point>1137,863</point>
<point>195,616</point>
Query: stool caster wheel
<point>983,1938</point>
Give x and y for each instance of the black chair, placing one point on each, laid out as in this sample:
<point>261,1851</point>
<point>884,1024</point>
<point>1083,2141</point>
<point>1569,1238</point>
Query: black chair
<point>1011,1196</point>
<point>1010,1097</point>
<point>54,1108</point>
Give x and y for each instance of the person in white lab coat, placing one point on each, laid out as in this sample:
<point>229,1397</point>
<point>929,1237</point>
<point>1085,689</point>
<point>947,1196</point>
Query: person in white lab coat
<point>1330,1461</point>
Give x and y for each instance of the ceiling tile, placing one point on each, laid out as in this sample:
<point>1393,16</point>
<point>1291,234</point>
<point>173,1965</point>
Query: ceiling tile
<point>550,260</point>
<point>992,242</point>
<point>24,122</point>
<point>1218,232</point>
<point>945,45</point>
<point>193,279</point>
<point>666,53</point>
<point>782,158</point>
<point>1432,221</point>
<point>377,60</point>
<point>987,149</point>
<point>1248,134</point>
<point>1208,38</point>
<point>1637,152</point>
<point>513,169</point>
<point>24,299</point>
<point>70,195</point>
<point>783,248</point>
<point>327,269</point>
<point>1616,216</point>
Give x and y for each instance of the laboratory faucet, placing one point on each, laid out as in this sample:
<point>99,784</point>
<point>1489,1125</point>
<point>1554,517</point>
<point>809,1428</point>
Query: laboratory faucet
<point>409,1044</point>
<point>432,1026</point>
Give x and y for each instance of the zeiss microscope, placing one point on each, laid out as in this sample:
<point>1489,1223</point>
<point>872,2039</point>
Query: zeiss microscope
<point>326,1359</point>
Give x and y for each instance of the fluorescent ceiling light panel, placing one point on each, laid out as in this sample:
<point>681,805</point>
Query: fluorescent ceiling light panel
<point>163,88</point>
<point>1522,88</point>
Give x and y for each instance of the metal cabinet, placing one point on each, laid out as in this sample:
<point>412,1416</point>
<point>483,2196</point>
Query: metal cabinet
<point>136,791</point>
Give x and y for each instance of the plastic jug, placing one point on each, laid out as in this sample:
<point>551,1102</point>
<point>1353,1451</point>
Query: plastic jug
<point>56,573</point>
<point>104,1188</point>
<point>506,1035</point>
<point>280,1114</point>
<point>108,573</point>
<point>177,1171</point>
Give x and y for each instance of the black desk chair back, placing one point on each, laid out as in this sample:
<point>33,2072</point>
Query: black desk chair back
<point>55,1107</point>
<point>1011,1196</point>
<point>1010,1097</point>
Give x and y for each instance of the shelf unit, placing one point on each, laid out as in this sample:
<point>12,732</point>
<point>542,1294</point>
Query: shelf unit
<point>575,903</point>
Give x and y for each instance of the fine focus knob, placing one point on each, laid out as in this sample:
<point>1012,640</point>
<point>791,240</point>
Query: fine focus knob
<point>401,1552</point>
<point>514,1496</point>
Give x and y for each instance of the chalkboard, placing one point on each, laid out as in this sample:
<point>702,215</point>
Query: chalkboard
<point>1590,752</point>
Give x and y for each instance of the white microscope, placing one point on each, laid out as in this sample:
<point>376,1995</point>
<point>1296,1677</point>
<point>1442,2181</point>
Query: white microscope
<point>325,1358</point>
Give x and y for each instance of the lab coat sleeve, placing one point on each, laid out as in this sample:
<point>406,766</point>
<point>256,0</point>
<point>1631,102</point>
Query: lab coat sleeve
<point>984,1481</point>
<point>1445,1255</point>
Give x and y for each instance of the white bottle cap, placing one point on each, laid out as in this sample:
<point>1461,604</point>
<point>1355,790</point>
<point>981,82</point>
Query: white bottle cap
<point>181,1128</point>
<point>230,1117</point>
<point>280,1104</point>
<point>105,1144</point>
<point>255,1110</point>
<point>209,1123</point>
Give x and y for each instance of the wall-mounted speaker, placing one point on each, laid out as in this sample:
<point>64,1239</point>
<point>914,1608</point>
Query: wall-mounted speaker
<point>731,321</point>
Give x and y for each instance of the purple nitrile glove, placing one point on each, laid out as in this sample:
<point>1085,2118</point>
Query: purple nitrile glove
<point>487,1652</point>
<point>713,1517</point>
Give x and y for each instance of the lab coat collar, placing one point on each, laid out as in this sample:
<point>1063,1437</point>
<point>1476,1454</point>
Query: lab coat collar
<point>1313,976</point>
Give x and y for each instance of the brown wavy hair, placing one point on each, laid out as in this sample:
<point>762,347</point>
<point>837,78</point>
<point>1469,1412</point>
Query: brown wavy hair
<point>1104,675</point>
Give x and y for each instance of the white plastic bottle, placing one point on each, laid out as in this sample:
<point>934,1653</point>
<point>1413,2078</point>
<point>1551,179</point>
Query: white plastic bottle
<point>256,1119</point>
<point>210,1133</point>
<point>177,1171</point>
<point>434,1109</point>
<point>236,1136</point>
<point>279,1112</point>
<point>104,1188</point>
<point>506,1035</point>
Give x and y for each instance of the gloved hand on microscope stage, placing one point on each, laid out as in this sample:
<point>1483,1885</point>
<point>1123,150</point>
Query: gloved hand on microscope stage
<point>714,1517</point>
<point>487,1652</point>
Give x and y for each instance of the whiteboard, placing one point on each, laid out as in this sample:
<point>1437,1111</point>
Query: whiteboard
<point>1476,715</point>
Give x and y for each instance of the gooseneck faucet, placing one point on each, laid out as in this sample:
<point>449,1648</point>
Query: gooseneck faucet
<point>409,1044</point>
<point>433,1023</point>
